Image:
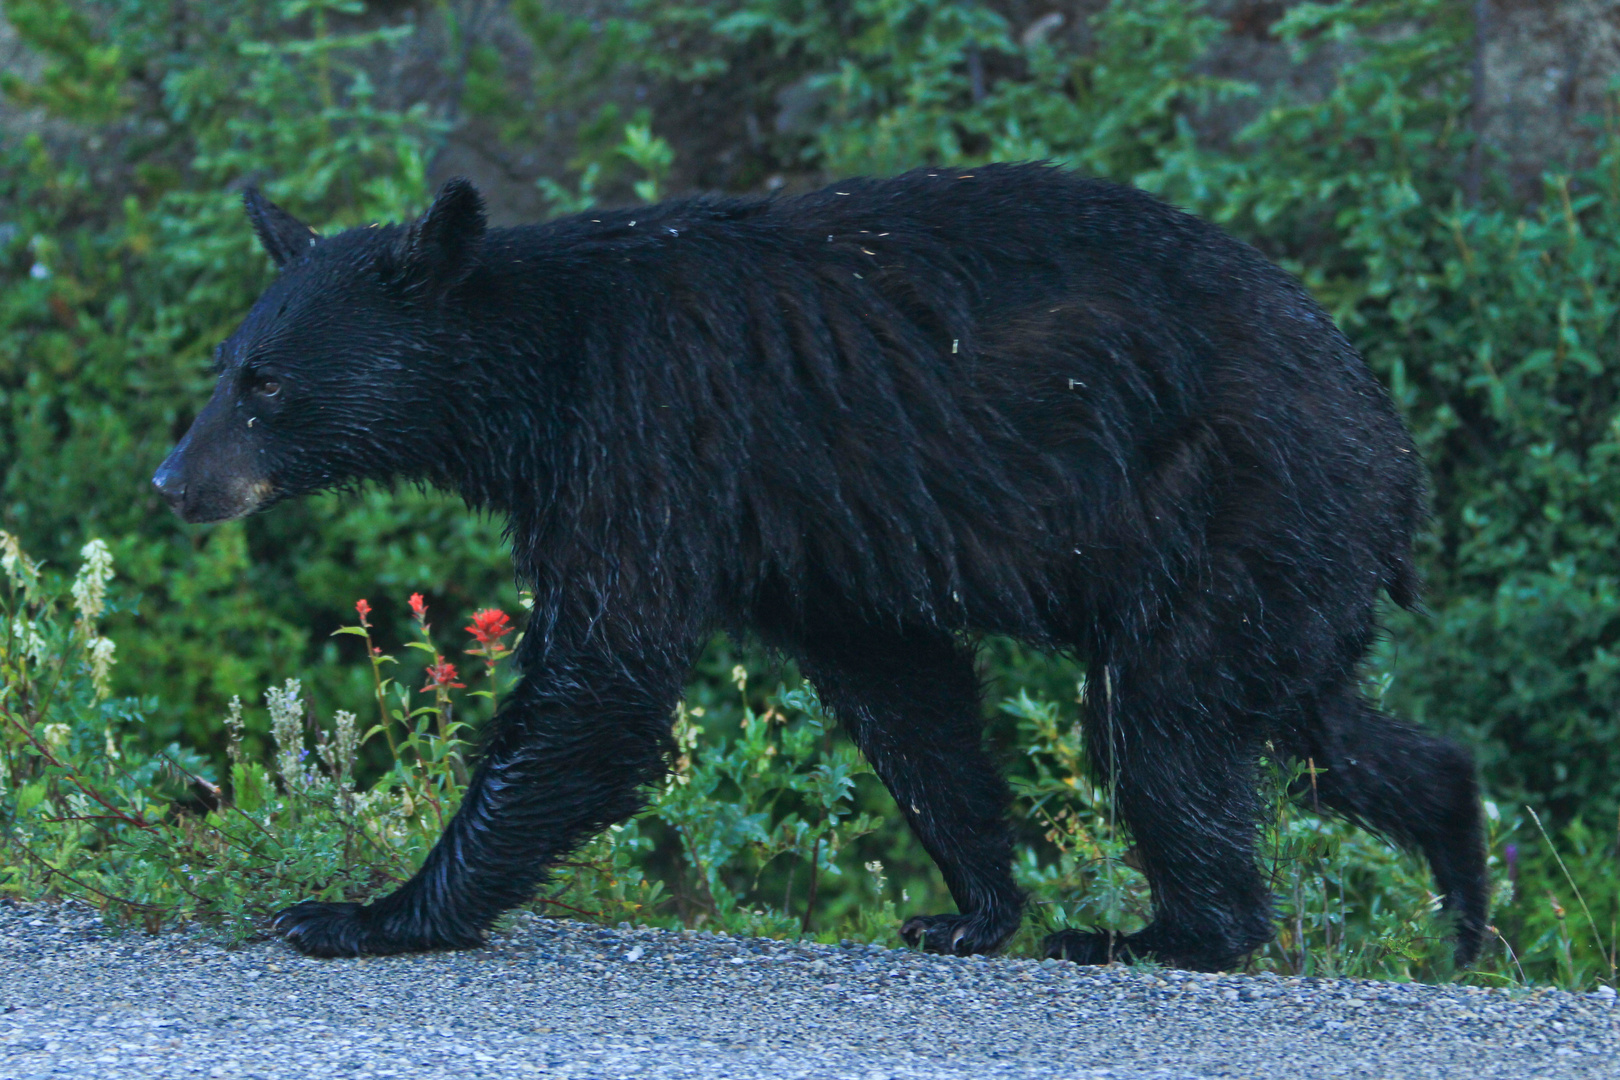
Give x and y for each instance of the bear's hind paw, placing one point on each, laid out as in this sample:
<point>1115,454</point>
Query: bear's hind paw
<point>1087,947</point>
<point>1153,942</point>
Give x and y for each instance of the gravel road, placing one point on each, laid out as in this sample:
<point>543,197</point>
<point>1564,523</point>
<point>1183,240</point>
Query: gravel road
<point>558,999</point>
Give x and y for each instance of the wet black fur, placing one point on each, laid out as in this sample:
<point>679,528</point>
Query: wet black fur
<point>869,424</point>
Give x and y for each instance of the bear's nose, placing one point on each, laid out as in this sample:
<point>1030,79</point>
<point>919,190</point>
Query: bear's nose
<point>170,486</point>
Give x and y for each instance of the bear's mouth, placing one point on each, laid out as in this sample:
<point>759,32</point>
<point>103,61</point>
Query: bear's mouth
<point>203,502</point>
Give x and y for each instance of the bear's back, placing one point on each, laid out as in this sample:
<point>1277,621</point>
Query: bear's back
<point>942,385</point>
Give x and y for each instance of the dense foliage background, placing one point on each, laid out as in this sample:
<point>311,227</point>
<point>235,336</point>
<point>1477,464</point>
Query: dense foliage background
<point>1486,304</point>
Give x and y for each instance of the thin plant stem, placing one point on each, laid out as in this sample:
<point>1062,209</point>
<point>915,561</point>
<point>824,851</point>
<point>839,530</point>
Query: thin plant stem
<point>1597,935</point>
<point>385,721</point>
<point>810,899</point>
<point>1513,956</point>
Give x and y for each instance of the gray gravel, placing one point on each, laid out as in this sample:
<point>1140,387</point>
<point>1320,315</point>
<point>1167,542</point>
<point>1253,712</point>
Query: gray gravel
<point>558,999</point>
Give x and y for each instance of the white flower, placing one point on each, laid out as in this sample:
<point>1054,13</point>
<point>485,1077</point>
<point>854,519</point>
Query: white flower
<point>287,729</point>
<point>33,643</point>
<point>101,651</point>
<point>233,729</point>
<point>29,644</point>
<point>346,734</point>
<point>18,567</point>
<point>55,736</point>
<point>875,868</point>
<point>339,751</point>
<point>90,585</point>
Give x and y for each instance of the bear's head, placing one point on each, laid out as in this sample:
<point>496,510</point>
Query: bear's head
<point>335,375</point>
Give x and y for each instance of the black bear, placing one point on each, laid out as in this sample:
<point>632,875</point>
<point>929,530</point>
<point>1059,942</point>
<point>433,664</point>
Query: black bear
<point>869,424</point>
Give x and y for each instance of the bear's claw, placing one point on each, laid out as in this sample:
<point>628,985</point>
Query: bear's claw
<point>955,935</point>
<point>317,928</point>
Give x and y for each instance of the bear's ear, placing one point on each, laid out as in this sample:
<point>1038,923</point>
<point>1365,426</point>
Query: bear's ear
<point>284,237</point>
<point>440,248</point>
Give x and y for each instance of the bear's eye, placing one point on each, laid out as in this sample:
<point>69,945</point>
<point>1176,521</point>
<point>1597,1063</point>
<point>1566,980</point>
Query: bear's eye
<point>267,388</point>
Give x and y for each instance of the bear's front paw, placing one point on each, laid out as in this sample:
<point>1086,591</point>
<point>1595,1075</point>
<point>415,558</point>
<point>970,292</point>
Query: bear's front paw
<point>956,935</point>
<point>316,928</point>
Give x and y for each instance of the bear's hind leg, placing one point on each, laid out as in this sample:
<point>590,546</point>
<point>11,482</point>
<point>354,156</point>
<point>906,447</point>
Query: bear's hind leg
<point>1184,782</point>
<point>911,702</point>
<point>1418,790</point>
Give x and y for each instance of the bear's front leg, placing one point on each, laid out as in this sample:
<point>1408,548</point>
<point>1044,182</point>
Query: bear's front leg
<point>569,754</point>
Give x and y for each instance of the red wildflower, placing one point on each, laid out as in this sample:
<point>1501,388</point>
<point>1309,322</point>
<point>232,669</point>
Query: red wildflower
<point>441,675</point>
<point>364,609</point>
<point>418,606</point>
<point>489,626</point>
